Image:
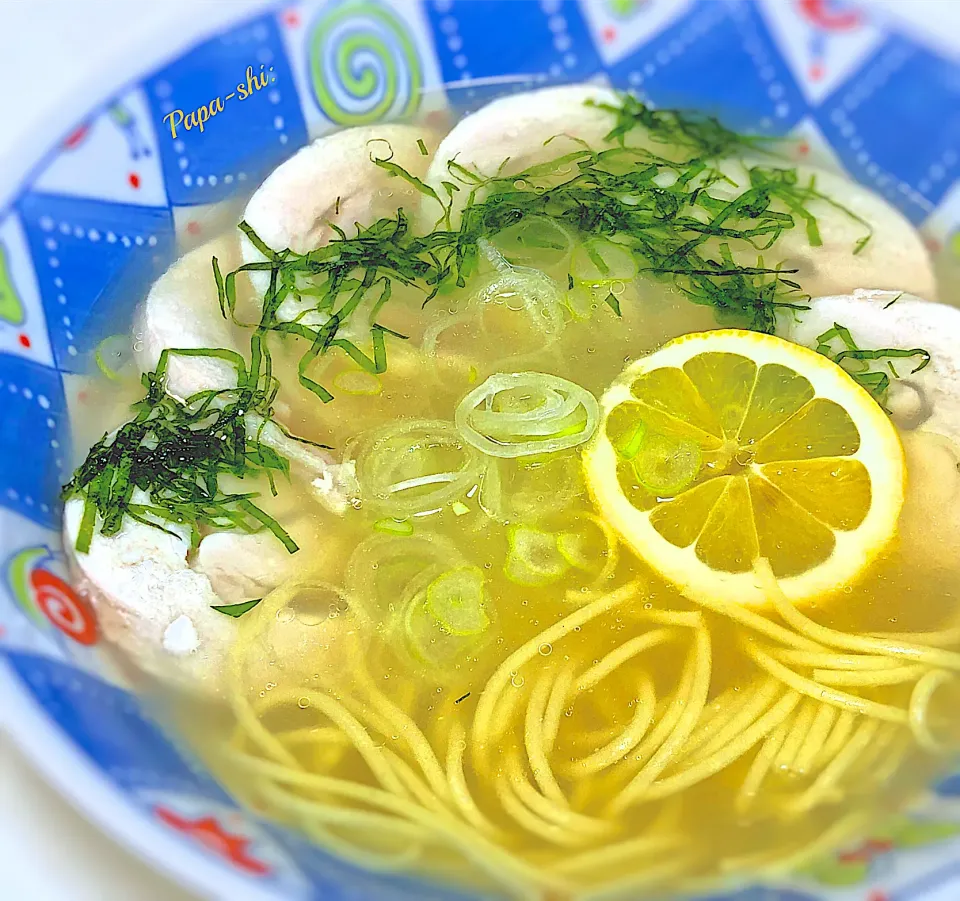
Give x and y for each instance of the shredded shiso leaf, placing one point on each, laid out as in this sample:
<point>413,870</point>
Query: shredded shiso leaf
<point>659,210</point>
<point>856,361</point>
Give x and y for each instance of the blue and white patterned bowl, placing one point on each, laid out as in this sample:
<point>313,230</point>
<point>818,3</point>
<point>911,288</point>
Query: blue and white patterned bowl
<point>106,210</point>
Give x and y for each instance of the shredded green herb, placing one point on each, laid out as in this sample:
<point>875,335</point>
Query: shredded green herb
<point>660,210</point>
<point>236,610</point>
<point>856,361</point>
<point>701,135</point>
<point>174,452</point>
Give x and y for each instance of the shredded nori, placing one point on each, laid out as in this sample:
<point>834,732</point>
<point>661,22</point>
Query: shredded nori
<point>175,453</point>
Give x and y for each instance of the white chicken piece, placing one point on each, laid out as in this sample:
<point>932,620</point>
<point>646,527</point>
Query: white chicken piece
<point>893,259</point>
<point>931,515</point>
<point>335,182</point>
<point>243,566</point>
<point>149,602</point>
<point>514,133</point>
<point>510,134</point>
<point>182,311</point>
<point>929,398</point>
<point>154,601</point>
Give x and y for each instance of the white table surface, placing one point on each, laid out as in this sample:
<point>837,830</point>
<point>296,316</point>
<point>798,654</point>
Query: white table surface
<point>50,49</point>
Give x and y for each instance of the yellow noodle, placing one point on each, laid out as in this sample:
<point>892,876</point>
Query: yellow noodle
<point>625,741</point>
<point>864,765</point>
<point>628,650</point>
<point>719,711</point>
<point>356,791</point>
<point>691,619</point>
<point>609,855</point>
<point>249,722</point>
<point>309,735</point>
<point>848,827</point>
<point>671,711</point>
<point>596,737</point>
<point>777,861</point>
<point>936,639</point>
<point>459,790</point>
<point>545,807</point>
<point>832,660</point>
<point>760,767</point>
<point>489,856</point>
<point>798,731</point>
<point>371,860</point>
<point>902,742</point>
<point>533,740</point>
<point>681,732</point>
<point>727,755</point>
<point>532,822</point>
<point>822,693</point>
<point>869,678</point>
<point>419,789</point>
<point>506,711</point>
<point>367,820</point>
<point>837,738</point>
<point>825,635</point>
<point>649,876</point>
<point>919,706</point>
<point>835,770</point>
<point>555,707</point>
<point>816,738</point>
<point>757,701</point>
<point>761,624</point>
<point>373,756</point>
<point>498,681</point>
<point>412,735</point>
<point>368,714</point>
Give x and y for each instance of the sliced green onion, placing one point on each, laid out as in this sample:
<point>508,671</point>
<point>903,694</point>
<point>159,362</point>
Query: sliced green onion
<point>518,414</point>
<point>455,600</point>
<point>357,382</point>
<point>459,508</point>
<point>601,261</point>
<point>112,355</point>
<point>390,526</point>
<point>534,240</point>
<point>533,557</point>
<point>589,544</point>
<point>666,465</point>
<point>385,569</point>
<point>581,300</point>
<point>629,444</point>
<point>414,467</point>
<point>526,488</point>
<point>449,620</point>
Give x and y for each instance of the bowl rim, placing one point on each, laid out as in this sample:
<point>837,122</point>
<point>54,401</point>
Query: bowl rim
<point>121,68</point>
<point>44,745</point>
<point>54,756</point>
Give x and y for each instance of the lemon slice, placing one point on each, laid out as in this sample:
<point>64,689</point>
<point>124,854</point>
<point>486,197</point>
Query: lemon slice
<point>726,446</point>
